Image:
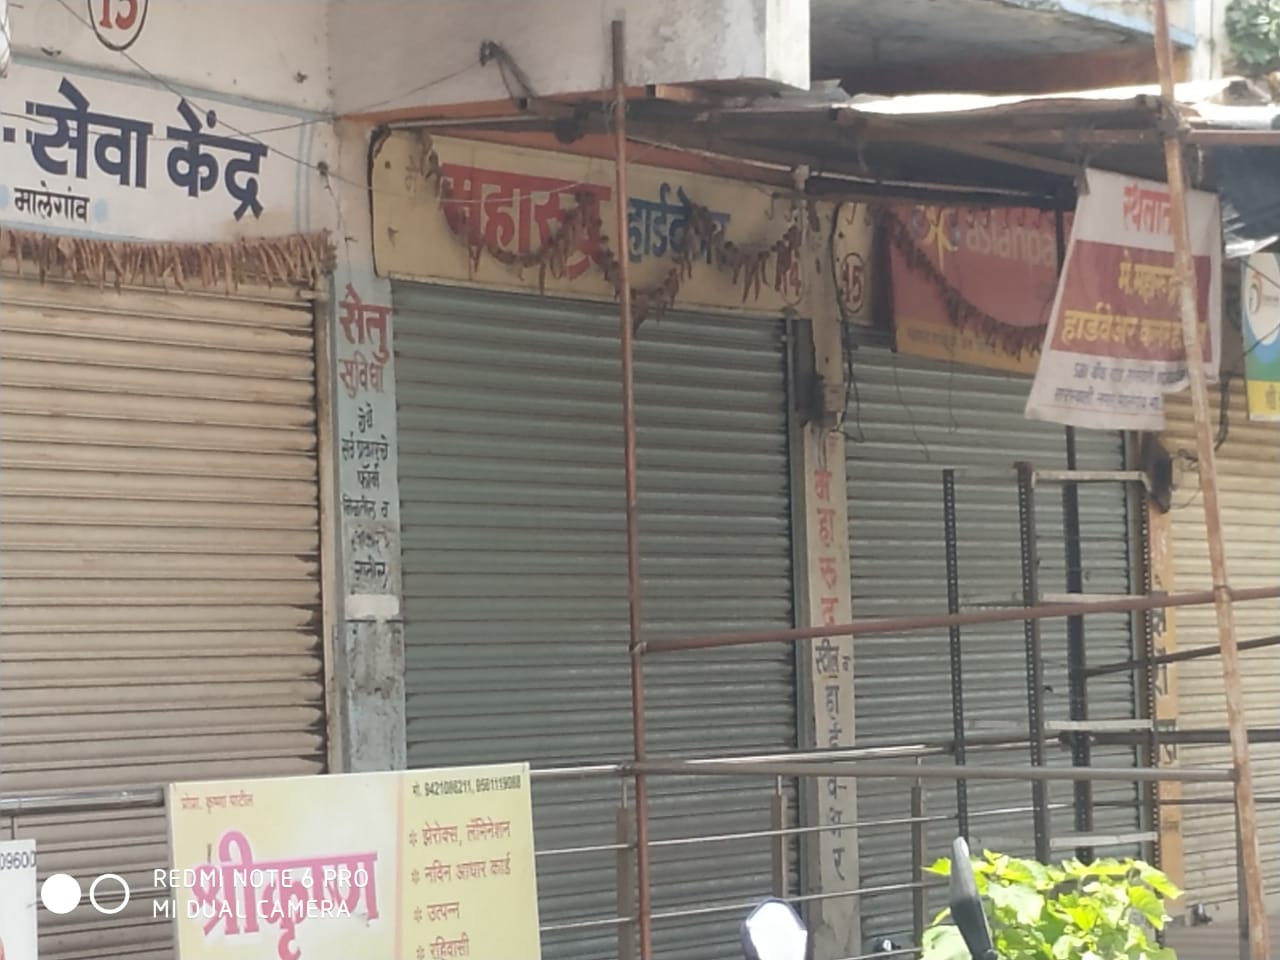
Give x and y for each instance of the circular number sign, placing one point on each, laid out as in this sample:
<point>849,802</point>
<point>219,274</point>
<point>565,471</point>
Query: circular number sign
<point>117,23</point>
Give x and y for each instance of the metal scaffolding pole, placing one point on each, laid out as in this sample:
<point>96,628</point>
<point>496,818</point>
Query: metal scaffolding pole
<point>1246,812</point>
<point>635,646</point>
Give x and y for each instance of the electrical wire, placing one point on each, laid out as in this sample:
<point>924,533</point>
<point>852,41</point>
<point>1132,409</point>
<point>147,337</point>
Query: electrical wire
<point>319,167</point>
<point>322,168</point>
<point>323,118</point>
<point>847,346</point>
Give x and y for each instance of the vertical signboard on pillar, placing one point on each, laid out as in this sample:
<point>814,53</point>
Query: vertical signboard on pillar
<point>1261,326</point>
<point>833,802</point>
<point>366,425</point>
<point>1114,346</point>
<point>18,900</point>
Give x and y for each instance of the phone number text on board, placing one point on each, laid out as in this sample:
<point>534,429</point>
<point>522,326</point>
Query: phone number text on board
<point>18,860</point>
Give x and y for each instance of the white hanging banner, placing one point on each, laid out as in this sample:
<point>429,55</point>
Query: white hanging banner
<point>1114,345</point>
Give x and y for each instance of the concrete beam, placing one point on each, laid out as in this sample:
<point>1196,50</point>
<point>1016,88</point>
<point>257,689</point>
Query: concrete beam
<point>397,55</point>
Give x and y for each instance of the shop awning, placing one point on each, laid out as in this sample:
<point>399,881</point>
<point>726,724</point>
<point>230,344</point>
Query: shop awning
<point>963,148</point>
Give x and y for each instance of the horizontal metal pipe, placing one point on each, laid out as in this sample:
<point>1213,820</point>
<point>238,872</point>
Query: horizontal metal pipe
<point>153,797</point>
<point>703,911</point>
<point>747,835</point>
<point>911,624</point>
<point>582,851</point>
<point>1234,138</point>
<point>1180,656</point>
<point>1212,801</point>
<point>1182,737</point>
<point>569,773</point>
<point>868,891</point>
<point>795,831</point>
<point>807,898</point>
<point>1015,811</point>
<point>75,801</point>
<point>901,771</point>
<point>584,924</point>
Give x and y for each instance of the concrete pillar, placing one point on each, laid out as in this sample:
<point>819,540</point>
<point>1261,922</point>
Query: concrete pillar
<point>825,595</point>
<point>367,703</point>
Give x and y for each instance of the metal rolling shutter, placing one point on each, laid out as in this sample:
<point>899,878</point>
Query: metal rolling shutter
<point>1249,490</point>
<point>515,577</point>
<point>914,419</point>
<point>160,601</point>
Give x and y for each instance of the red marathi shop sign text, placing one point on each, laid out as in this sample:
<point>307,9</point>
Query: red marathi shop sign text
<point>1122,302</point>
<point>521,213</point>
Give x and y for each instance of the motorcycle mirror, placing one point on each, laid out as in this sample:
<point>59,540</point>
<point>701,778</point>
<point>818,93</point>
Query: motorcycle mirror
<point>774,931</point>
<point>966,905</point>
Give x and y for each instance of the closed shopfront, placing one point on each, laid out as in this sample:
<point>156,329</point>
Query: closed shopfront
<point>1248,461</point>
<point>515,588</point>
<point>160,601</point>
<point>909,419</point>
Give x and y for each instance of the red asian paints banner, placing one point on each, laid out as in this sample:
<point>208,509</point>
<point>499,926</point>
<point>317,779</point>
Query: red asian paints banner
<point>973,286</point>
<point>1114,346</point>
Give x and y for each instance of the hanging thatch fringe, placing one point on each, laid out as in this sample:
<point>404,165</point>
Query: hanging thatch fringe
<point>300,260</point>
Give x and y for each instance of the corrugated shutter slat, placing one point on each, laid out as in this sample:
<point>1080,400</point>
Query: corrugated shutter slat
<point>160,603</point>
<point>515,577</point>
<point>1249,495</point>
<point>910,420</point>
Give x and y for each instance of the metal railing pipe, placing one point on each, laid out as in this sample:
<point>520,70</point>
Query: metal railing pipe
<point>911,624</point>
<point>899,771</point>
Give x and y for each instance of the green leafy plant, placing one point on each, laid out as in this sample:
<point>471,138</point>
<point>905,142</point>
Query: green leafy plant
<point>1253,30</point>
<point>1106,910</point>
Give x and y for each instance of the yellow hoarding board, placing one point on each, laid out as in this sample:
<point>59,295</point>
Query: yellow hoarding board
<point>456,218</point>
<point>416,865</point>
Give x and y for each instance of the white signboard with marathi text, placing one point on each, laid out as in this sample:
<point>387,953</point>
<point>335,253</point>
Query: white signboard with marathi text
<point>407,865</point>
<point>89,156</point>
<point>18,900</point>
<point>366,423</point>
<point>1114,346</point>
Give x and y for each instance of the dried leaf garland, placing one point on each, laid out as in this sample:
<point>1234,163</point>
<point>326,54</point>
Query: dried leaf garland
<point>299,260</point>
<point>1012,339</point>
<point>703,236</point>
<point>582,229</point>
